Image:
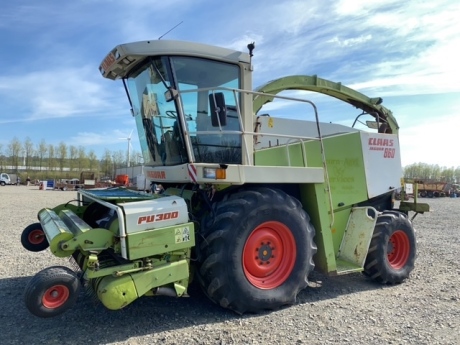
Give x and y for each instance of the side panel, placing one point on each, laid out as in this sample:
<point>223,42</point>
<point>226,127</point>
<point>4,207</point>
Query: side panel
<point>347,186</point>
<point>315,201</point>
<point>154,214</point>
<point>344,160</point>
<point>382,160</point>
<point>147,243</point>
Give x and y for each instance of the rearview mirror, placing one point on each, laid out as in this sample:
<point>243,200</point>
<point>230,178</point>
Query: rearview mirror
<point>218,109</point>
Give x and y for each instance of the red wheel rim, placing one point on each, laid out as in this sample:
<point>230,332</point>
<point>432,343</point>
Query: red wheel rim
<point>55,296</point>
<point>398,249</point>
<point>36,236</point>
<point>269,255</point>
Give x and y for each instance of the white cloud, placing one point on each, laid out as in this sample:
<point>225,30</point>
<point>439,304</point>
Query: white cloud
<point>57,93</point>
<point>432,142</point>
<point>380,47</point>
<point>103,138</point>
<point>349,42</point>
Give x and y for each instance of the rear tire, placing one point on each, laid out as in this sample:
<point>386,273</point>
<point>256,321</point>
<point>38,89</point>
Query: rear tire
<point>33,238</point>
<point>52,291</point>
<point>257,251</point>
<point>392,251</point>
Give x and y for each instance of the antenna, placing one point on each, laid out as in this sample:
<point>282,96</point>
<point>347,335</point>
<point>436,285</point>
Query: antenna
<point>129,146</point>
<point>167,32</point>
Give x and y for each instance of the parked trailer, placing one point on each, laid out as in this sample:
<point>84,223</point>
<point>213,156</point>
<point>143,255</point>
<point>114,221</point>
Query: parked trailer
<point>437,189</point>
<point>249,204</point>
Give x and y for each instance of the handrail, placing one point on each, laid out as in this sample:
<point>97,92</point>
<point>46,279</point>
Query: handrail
<point>245,133</point>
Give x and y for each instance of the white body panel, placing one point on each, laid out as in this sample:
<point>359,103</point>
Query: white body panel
<point>154,214</point>
<point>294,128</point>
<point>382,162</point>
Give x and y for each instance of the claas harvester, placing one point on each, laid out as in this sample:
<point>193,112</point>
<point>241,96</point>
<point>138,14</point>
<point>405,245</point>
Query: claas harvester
<point>245,204</point>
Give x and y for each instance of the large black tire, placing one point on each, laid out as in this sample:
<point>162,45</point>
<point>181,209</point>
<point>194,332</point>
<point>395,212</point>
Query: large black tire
<point>52,291</point>
<point>33,238</point>
<point>257,251</point>
<point>393,249</point>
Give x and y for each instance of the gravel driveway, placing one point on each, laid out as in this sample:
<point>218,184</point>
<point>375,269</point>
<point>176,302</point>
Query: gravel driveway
<point>334,310</point>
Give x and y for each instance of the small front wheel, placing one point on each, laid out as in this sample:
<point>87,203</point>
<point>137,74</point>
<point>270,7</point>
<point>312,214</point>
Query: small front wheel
<point>52,291</point>
<point>33,238</point>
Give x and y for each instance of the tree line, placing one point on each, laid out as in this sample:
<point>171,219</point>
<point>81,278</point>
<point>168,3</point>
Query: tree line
<point>44,160</point>
<point>432,172</point>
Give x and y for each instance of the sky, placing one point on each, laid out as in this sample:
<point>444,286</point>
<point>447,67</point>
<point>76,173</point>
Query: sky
<point>403,51</point>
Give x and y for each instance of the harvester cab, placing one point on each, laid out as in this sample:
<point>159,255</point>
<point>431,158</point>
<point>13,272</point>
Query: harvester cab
<point>250,203</point>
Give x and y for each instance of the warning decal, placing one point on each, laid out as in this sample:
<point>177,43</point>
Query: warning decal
<point>182,234</point>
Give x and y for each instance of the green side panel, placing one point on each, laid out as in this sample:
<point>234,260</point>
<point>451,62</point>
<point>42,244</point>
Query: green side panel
<point>356,240</point>
<point>344,160</point>
<point>338,229</point>
<point>116,292</point>
<point>160,276</point>
<point>158,241</point>
<point>347,186</point>
<point>315,203</point>
<point>345,167</point>
<point>281,157</point>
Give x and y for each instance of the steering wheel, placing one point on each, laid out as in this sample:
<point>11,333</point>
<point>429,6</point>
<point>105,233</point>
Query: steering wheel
<point>171,113</point>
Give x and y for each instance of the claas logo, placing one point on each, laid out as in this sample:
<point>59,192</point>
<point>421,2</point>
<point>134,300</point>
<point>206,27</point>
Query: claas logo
<point>157,217</point>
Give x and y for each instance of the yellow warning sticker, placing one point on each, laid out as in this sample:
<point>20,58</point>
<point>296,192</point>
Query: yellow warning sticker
<point>182,234</point>
<point>270,122</point>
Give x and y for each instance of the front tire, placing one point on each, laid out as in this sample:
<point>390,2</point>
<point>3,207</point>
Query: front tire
<point>52,291</point>
<point>33,238</point>
<point>392,251</point>
<point>257,251</point>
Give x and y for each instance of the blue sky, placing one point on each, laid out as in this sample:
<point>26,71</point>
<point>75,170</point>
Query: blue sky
<point>403,51</point>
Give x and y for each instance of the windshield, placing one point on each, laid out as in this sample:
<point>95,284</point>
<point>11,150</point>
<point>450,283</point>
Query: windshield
<point>160,130</point>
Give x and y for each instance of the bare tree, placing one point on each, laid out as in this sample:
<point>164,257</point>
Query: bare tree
<point>14,151</point>
<point>82,159</point>
<point>42,151</point>
<point>51,158</point>
<point>457,175</point>
<point>62,155</point>
<point>93,161</point>
<point>73,157</point>
<point>107,163</point>
<point>28,152</point>
<point>119,158</point>
<point>2,162</point>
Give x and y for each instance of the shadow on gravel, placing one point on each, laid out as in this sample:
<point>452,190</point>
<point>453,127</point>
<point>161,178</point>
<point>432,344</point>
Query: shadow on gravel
<point>322,287</point>
<point>89,322</point>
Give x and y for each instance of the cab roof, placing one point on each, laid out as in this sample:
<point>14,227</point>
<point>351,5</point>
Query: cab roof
<point>124,57</point>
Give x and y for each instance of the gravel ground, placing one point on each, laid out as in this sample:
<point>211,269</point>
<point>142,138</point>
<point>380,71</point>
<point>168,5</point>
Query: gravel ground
<point>335,310</point>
